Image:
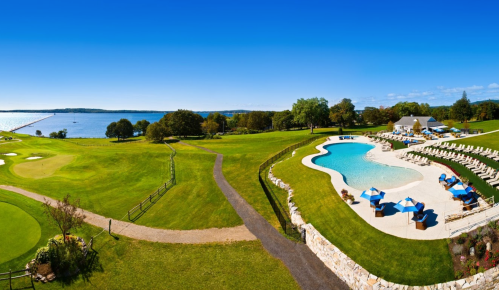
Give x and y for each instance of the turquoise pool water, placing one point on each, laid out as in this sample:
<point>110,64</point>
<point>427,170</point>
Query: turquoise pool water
<point>359,172</point>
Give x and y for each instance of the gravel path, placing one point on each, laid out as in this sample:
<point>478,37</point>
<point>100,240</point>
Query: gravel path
<point>239,233</point>
<point>307,269</point>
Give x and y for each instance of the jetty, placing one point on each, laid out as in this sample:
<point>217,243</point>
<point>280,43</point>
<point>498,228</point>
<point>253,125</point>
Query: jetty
<point>27,124</point>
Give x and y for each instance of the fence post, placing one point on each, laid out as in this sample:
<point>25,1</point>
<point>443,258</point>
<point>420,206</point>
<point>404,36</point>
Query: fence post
<point>109,226</point>
<point>10,279</point>
<point>128,215</point>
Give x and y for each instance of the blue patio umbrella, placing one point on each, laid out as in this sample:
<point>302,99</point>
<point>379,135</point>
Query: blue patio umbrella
<point>427,133</point>
<point>408,205</point>
<point>459,189</point>
<point>372,194</point>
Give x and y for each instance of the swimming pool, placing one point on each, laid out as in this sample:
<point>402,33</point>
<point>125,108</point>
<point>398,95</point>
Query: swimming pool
<point>359,172</point>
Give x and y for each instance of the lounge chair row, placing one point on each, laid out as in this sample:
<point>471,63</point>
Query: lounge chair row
<point>494,155</point>
<point>416,159</point>
<point>487,173</point>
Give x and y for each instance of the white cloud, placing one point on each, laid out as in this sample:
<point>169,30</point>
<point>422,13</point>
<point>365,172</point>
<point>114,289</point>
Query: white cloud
<point>432,98</point>
<point>440,87</point>
<point>355,102</point>
<point>458,89</point>
<point>493,91</point>
<point>391,95</point>
<point>493,86</point>
<point>427,93</point>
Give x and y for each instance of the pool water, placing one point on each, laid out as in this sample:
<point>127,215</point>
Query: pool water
<point>359,172</point>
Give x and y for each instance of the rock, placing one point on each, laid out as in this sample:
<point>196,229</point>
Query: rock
<point>472,251</point>
<point>489,246</point>
<point>51,277</point>
<point>461,282</point>
<point>44,280</point>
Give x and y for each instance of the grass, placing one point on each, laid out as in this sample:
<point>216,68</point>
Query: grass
<point>125,263</point>
<point>19,232</point>
<point>404,261</point>
<point>487,141</point>
<point>42,168</point>
<point>111,178</point>
<point>487,126</point>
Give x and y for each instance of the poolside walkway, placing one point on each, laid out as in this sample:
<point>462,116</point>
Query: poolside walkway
<point>428,190</point>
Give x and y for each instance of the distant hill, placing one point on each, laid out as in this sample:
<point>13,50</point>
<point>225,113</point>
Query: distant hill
<point>479,102</point>
<point>85,110</point>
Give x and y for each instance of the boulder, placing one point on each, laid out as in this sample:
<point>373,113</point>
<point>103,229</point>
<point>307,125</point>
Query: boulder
<point>489,246</point>
<point>51,277</point>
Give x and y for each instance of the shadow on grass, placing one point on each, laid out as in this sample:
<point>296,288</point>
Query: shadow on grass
<point>125,141</point>
<point>92,265</point>
<point>146,208</point>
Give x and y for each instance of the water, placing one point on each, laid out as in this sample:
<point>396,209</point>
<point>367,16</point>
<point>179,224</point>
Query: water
<point>359,172</point>
<point>88,125</point>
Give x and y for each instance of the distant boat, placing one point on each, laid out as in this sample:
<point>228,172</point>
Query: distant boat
<point>74,119</point>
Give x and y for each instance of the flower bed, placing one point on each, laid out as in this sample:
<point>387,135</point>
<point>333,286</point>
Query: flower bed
<point>476,251</point>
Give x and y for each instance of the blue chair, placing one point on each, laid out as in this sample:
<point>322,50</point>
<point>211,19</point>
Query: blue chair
<point>379,211</point>
<point>468,204</point>
<point>451,180</point>
<point>412,134</point>
<point>341,138</point>
<point>421,223</point>
<point>374,203</point>
<point>442,177</point>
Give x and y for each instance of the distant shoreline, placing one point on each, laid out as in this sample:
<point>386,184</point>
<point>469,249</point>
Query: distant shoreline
<point>82,110</point>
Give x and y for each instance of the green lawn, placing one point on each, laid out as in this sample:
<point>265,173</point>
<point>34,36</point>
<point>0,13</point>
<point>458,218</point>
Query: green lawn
<point>410,262</point>
<point>487,126</point>
<point>113,177</point>
<point>124,263</point>
<point>487,141</point>
<point>19,232</point>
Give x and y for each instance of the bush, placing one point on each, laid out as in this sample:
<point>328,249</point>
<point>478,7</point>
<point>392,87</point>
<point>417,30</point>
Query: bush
<point>464,235</point>
<point>480,249</point>
<point>217,137</point>
<point>458,274</point>
<point>492,225</point>
<point>340,131</point>
<point>471,243</point>
<point>472,271</point>
<point>460,240</point>
<point>481,269</point>
<point>42,255</point>
<point>457,250</point>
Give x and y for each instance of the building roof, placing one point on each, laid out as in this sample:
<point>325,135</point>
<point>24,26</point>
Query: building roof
<point>425,121</point>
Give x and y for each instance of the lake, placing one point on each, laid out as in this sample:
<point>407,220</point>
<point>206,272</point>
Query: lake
<point>88,125</point>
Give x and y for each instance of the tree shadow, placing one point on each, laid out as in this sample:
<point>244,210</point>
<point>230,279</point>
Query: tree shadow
<point>431,220</point>
<point>390,209</point>
<point>125,141</point>
<point>92,264</point>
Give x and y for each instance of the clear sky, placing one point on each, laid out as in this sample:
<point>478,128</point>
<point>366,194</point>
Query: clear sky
<point>256,55</point>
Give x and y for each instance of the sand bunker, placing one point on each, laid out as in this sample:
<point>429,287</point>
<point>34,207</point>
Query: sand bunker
<point>2,162</point>
<point>10,154</point>
<point>33,158</point>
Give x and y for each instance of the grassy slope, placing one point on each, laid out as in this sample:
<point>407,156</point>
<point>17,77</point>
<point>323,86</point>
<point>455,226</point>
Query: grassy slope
<point>19,232</point>
<point>110,180</point>
<point>132,264</point>
<point>487,126</point>
<point>395,259</point>
<point>195,202</point>
<point>487,140</point>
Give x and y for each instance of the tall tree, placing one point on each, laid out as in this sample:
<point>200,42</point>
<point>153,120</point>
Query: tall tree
<point>183,123</point>
<point>461,109</point>
<point>123,129</point>
<point>219,119</point>
<point>390,126</point>
<point>283,120</point>
<point>343,113</point>
<point>38,133</point>
<point>310,111</point>
<point>111,130</point>
<point>156,132</point>
<point>440,113</point>
<point>425,109</point>
<point>141,127</point>
<point>210,126</point>
<point>257,120</point>
<point>373,115</point>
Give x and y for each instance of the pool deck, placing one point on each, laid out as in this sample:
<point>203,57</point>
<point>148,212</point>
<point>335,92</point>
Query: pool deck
<point>437,200</point>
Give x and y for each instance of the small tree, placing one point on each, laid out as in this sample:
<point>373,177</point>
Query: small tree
<point>64,214</point>
<point>156,132</point>
<point>38,133</point>
<point>62,134</point>
<point>450,123</point>
<point>390,126</point>
<point>466,125</point>
<point>210,127</point>
<point>53,135</point>
<point>417,127</point>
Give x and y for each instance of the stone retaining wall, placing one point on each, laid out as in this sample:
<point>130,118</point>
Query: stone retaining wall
<point>359,278</point>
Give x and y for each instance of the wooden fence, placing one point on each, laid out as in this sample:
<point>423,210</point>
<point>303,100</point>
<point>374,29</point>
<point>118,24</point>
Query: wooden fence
<point>151,199</point>
<point>279,210</point>
<point>10,278</point>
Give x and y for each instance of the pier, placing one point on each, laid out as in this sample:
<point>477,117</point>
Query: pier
<point>25,125</point>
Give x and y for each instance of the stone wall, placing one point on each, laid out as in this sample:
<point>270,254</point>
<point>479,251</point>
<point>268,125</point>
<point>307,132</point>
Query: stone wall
<point>357,277</point>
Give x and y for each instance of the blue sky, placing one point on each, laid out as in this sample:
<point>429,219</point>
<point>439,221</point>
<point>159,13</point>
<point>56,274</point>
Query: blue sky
<point>257,55</point>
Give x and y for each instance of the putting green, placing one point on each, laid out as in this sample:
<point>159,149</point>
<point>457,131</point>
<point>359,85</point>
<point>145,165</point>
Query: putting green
<point>42,168</point>
<point>19,232</point>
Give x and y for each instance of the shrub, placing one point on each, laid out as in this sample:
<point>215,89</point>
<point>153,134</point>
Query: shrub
<point>492,224</point>
<point>457,250</point>
<point>458,274</point>
<point>42,255</point>
<point>464,235</point>
<point>471,243</point>
<point>340,131</point>
<point>481,269</point>
<point>460,240</point>
<point>217,137</point>
<point>480,249</point>
<point>472,271</point>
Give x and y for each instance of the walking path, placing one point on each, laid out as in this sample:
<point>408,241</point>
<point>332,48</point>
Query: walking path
<point>239,233</point>
<point>307,269</point>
